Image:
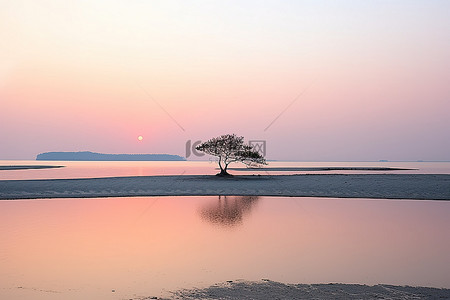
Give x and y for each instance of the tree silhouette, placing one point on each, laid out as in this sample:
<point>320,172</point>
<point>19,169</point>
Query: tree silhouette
<point>231,148</point>
<point>228,211</point>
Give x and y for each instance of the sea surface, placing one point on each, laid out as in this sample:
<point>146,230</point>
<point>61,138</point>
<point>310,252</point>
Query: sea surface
<point>95,169</point>
<point>138,247</point>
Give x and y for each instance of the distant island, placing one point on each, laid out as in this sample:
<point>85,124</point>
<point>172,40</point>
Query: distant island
<point>93,156</point>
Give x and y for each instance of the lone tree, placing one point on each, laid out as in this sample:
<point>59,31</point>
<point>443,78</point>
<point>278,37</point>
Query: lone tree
<point>231,148</point>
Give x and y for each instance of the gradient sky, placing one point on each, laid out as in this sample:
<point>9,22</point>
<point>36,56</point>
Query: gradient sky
<point>374,77</point>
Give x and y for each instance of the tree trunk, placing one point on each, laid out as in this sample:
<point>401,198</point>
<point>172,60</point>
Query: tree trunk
<point>223,170</point>
<point>223,173</point>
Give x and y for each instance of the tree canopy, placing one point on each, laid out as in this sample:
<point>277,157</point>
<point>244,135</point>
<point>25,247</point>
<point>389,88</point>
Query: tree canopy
<point>231,148</point>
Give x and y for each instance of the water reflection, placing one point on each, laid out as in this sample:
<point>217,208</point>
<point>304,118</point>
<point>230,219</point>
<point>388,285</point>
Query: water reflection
<point>228,211</point>
<point>144,246</point>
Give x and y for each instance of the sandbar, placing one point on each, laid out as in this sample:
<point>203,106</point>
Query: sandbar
<point>27,167</point>
<point>267,289</point>
<point>377,186</point>
<point>316,169</point>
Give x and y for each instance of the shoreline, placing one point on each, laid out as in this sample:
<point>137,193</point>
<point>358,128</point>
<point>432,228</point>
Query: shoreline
<point>27,167</point>
<point>314,169</point>
<point>371,186</point>
<point>268,289</point>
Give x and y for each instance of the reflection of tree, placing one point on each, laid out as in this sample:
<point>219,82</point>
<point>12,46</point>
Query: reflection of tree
<point>228,210</point>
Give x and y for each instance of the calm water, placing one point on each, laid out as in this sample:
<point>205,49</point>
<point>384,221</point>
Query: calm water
<point>138,168</point>
<point>86,248</point>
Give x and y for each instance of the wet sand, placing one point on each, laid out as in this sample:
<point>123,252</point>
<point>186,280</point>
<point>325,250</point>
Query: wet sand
<point>316,169</point>
<point>24,167</point>
<point>377,186</point>
<point>266,289</point>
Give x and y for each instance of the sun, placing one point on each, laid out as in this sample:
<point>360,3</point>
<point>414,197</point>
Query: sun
<point>140,138</point>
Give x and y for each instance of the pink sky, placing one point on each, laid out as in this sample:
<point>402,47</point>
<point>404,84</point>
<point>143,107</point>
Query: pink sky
<point>76,77</point>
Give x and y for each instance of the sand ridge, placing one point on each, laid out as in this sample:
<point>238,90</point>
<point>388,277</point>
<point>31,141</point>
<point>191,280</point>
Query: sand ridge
<point>28,167</point>
<point>378,186</point>
<point>267,289</point>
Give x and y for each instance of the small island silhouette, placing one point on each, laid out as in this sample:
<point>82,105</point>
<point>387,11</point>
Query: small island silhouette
<point>93,156</point>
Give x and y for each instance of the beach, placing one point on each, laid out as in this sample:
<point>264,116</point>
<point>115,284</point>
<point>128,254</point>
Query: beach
<point>377,186</point>
<point>267,289</point>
